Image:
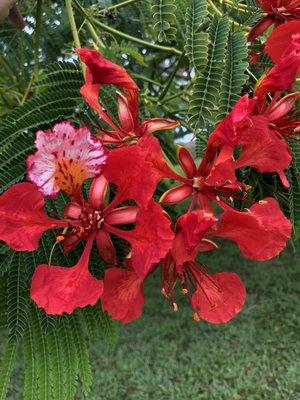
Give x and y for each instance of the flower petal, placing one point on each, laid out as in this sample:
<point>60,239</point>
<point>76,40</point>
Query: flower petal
<point>123,297</point>
<point>151,238</point>
<point>106,248</point>
<point>186,161</point>
<point>60,290</point>
<point>136,170</point>
<point>283,75</point>
<point>194,225</point>
<point>98,192</point>
<point>22,217</point>
<point>66,156</point>
<point>261,233</point>
<point>152,125</point>
<point>264,149</point>
<point>176,194</point>
<point>280,39</point>
<point>219,297</point>
<point>122,215</point>
<point>101,71</point>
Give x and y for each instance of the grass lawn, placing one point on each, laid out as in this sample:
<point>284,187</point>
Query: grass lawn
<point>167,356</point>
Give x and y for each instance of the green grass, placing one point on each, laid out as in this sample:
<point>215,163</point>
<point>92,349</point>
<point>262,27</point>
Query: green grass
<point>167,356</point>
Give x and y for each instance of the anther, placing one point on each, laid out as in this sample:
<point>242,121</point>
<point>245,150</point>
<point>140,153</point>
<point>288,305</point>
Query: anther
<point>60,238</point>
<point>184,291</point>
<point>196,317</point>
<point>175,307</point>
<point>263,202</point>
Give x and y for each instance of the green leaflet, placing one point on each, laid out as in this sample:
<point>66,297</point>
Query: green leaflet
<point>206,89</point>
<point>6,367</point>
<point>17,297</point>
<point>234,72</point>
<point>196,46</point>
<point>164,19</point>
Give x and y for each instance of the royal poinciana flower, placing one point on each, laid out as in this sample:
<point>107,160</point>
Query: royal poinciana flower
<point>101,71</point>
<point>65,158</point>
<point>263,147</point>
<point>261,233</point>
<point>278,12</point>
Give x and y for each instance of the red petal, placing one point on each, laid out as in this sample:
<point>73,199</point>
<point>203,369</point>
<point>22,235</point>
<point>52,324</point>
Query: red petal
<point>186,161</point>
<point>176,194</point>
<point>261,234</point>
<point>101,71</point>
<point>283,75</point>
<point>104,71</point>
<point>152,125</point>
<point>60,290</point>
<point>106,248</point>
<point>151,238</point>
<point>281,107</point>
<point>194,225</point>
<point>73,211</point>
<point>22,217</point>
<point>98,192</point>
<point>219,297</point>
<point>124,113</point>
<point>280,39</point>
<point>123,297</point>
<point>227,131</point>
<point>264,149</point>
<point>122,215</point>
<point>136,170</point>
<point>260,28</point>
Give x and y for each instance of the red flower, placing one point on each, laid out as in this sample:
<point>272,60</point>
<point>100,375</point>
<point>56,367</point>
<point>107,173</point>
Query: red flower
<point>278,12</point>
<point>101,71</point>
<point>23,219</point>
<point>261,233</point>
<point>123,297</point>
<point>214,177</point>
<point>216,298</point>
<point>62,289</point>
<point>250,126</point>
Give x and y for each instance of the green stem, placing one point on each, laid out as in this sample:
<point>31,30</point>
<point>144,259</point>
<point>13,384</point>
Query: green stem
<point>146,79</point>
<point>122,4</point>
<point>136,40</point>
<point>73,28</point>
<point>37,38</point>
<point>94,35</point>
<point>171,77</point>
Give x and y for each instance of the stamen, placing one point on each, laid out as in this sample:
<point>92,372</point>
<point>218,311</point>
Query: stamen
<point>263,202</point>
<point>175,307</point>
<point>196,317</point>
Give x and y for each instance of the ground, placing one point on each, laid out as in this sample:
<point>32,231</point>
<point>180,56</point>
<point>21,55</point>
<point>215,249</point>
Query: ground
<point>167,356</point>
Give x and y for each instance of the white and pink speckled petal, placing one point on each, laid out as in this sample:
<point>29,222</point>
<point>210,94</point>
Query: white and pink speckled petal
<point>41,169</point>
<point>66,156</point>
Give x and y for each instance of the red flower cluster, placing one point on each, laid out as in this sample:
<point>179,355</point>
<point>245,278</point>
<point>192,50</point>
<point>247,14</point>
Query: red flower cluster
<point>127,155</point>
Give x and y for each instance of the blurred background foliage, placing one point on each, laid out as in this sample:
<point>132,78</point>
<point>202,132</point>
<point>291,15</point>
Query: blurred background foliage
<point>190,60</point>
